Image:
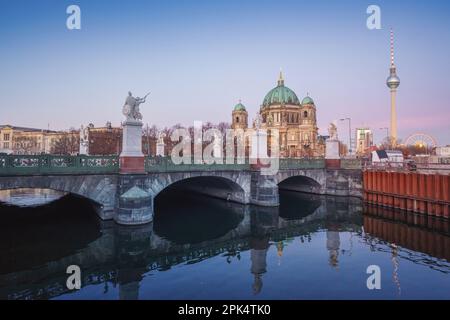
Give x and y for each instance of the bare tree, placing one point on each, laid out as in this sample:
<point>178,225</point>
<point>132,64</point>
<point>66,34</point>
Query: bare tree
<point>25,145</point>
<point>67,144</point>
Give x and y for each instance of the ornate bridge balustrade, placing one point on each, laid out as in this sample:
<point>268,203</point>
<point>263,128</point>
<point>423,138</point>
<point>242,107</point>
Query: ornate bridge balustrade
<point>11,165</point>
<point>302,163</point>
<point>24,165</point>
<point>165,164</point>
<point>352,164</point>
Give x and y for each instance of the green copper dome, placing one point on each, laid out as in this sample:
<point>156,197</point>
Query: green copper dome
<point>281,95</point>
<point>307,100</point>
<point>239,107</point>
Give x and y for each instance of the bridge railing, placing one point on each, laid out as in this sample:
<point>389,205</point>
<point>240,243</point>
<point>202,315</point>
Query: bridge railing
<point>17,165</point>
<point>302,163</point>
<point>165,164</point>
<point>352,164</point>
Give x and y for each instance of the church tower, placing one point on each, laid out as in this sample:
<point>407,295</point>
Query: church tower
<point>240,117</point>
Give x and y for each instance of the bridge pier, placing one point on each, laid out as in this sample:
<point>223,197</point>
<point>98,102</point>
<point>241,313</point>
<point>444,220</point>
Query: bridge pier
<point>134,202</point>
<point>264,190</point>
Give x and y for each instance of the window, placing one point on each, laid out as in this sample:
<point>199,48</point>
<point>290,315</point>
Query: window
<point>6,136</point>
<point>237,119</point>
<point>6,145</point>
<point>305,114</point>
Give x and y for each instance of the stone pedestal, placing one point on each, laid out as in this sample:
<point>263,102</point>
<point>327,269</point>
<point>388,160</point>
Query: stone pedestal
<point>83,148</point>
<point>332,150</point>
<point>259,145</point>
<point>332,158</point>
<point>160,149</point>
<point>132,159</point>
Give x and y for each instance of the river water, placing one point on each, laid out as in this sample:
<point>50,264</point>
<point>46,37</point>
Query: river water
<point>311,247</point>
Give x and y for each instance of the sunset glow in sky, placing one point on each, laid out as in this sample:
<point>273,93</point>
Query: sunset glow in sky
<point>198,58</point>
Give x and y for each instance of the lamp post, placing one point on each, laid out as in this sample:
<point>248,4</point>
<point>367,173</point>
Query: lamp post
<point>349,134</point>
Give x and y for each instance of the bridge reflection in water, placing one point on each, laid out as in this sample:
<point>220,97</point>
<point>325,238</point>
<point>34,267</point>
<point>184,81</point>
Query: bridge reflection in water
<point>191,233</point>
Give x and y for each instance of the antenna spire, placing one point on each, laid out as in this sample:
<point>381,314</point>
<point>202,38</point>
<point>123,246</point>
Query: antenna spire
<point>392,48</point>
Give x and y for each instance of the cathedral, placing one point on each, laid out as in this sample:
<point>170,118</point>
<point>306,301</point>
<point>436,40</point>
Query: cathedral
<point>296,121</point>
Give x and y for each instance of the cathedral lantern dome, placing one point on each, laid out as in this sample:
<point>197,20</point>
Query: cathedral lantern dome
<point>280,95</point>
<point>307,100</point>
<point>239,107</point>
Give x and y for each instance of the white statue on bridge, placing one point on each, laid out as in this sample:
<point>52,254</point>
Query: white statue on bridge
<point>84,140</point>
<point>131,107</point>
<point>332,131</point>
<point>160,145</point>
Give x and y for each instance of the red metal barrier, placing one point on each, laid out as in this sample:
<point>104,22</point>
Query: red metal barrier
<point>418,192</point>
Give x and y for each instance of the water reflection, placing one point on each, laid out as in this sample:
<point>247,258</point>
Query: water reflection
<point>183,227</point>
<point>410,233</point>
<point>206,248</point>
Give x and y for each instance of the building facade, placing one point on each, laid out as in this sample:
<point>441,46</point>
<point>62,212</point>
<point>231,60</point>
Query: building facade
<point>364,141</point>
<point>295,121</point>
<point>105,140</point>
<point>22,140</point>
<point>31,141</point>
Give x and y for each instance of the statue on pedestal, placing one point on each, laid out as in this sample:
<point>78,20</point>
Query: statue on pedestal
<point>332,145</point>
<point>131,157</point>
<point>160,145</point>
<point>332,131</point>
<point>161,137</point>
<point>131,107</point>
<point>84,140</point>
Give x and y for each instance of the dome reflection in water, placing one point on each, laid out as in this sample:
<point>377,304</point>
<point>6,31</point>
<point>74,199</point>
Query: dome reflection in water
<point>310,247</point>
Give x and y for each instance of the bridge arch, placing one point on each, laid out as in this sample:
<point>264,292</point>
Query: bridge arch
<point>232,186</point>
<point>308,181</point>
<point>98,188</point>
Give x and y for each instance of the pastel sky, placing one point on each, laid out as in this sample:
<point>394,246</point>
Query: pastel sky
<point>198,58</point>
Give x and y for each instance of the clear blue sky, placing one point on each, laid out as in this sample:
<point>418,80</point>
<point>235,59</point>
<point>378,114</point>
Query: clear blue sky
<point>198,58</point>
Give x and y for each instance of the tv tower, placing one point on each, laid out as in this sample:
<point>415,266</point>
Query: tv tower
<point>393,81</point>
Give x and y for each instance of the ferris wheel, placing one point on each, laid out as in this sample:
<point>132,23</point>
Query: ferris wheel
<point>421,140</point>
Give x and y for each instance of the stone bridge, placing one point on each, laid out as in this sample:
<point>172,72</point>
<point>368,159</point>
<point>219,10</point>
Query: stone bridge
<point>129,198</point>
<point>122,255</point>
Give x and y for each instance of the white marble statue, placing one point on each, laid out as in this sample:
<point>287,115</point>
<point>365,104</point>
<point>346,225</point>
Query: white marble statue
<point>332,145</point>
<point>160,145</point>
<point>161,137</point>
<point>131,107</point>
<point>332,131</point>
<point>84,140</point>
